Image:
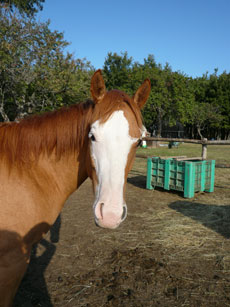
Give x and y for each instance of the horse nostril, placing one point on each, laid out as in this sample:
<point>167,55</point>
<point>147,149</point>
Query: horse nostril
<point>124,214</point>
<point>101,208</point>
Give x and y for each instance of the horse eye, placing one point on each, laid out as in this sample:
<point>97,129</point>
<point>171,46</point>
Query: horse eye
<point>93,138</point>
<point>139,143</point>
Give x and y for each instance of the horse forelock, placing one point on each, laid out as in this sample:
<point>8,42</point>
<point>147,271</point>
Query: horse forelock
<point>115,100</point>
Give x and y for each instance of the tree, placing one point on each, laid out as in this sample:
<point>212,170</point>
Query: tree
<point>117,70</point>
<point>158,106</point>
<point>202,105</point>
<point>27,7</point>
<point>204,115</point>
<point>218,94</point>
<point>35,75</point>
<point>214,91</point>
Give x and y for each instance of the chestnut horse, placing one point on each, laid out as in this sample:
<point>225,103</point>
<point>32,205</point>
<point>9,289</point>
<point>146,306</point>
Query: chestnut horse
<point>45,158</point>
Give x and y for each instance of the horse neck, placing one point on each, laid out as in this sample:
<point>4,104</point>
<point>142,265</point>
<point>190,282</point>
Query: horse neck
<point>71,170</point>
<point>56,180</point>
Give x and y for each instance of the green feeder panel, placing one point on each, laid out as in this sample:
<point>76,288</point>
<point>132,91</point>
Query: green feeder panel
<point>185,176</point>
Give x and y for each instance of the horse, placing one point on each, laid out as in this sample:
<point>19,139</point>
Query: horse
<point>45,158</point>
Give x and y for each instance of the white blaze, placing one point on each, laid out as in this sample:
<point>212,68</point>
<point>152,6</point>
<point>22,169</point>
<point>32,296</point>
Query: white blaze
<point>109,153</point>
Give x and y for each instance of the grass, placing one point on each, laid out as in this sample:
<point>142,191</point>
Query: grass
<point>220,153</point>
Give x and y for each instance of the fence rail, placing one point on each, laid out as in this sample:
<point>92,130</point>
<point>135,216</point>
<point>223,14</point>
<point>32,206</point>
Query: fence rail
<point>203,142</point>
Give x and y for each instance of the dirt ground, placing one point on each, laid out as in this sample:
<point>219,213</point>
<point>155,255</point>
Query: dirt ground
<point>170,251</point>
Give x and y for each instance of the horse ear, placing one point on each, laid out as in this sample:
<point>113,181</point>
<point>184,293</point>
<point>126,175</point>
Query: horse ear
<point>142,93</point>
<point>97,88</point>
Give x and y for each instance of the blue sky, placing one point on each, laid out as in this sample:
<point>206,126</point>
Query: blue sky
<point>193,36</point>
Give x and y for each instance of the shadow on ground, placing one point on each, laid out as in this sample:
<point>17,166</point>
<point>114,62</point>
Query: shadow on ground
<point>138,181</point>
<point>216,218</point>
<point>33,290</point>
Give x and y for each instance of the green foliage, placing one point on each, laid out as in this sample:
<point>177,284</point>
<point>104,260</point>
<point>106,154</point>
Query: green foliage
<point>27,7</point>
<point>35,74</point>
<point>118,70</point>
<point>212,103</point>
<point>201,104</point>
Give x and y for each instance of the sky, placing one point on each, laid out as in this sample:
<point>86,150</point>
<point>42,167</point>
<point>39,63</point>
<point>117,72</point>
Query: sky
<point>193,36</point>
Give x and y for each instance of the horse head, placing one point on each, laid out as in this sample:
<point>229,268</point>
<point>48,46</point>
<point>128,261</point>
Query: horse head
<point>115,132</point>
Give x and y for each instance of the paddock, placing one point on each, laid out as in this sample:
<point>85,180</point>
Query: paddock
<point>170,251</point>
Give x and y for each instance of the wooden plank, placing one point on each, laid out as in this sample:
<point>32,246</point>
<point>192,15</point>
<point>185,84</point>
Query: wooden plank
<point>173,157</point>
<point>219,142</point>
<point>188,159</point>
<point>173,140</point>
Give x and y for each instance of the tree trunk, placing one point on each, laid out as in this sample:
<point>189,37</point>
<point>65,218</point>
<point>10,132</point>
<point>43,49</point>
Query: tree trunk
<point>2,111</point>
<point>199,132</point>
<point>4,115</point>
<point>159,123</point>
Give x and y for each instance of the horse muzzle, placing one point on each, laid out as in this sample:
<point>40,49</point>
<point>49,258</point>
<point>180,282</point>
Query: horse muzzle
<point>109,216</point>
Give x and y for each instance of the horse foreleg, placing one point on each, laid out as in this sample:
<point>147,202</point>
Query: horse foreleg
<point>11,274</point>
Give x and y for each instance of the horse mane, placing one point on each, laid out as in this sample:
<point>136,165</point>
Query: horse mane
<point>56,132</point>
<point>60,131</point>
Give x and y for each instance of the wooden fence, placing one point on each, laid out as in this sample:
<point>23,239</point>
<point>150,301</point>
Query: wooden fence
<point>203,142</point>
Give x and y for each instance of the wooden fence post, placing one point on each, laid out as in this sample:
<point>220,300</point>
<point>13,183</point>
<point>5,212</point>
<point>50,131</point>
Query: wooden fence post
<point>204,150</point>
